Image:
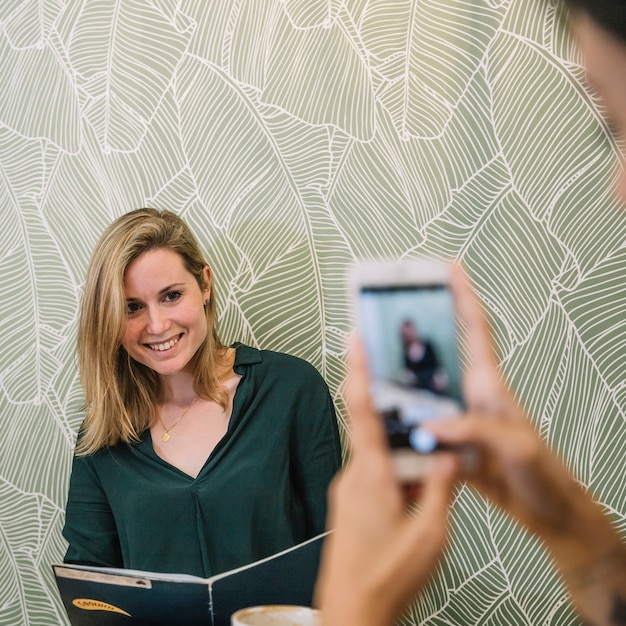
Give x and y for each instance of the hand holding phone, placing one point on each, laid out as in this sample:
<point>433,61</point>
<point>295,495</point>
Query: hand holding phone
<point>405,316</point>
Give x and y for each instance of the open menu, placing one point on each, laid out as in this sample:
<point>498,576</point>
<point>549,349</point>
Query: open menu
<point>100,596</point>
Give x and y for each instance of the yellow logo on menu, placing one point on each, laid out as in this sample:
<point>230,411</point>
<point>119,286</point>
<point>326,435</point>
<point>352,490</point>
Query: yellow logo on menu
<point>96,605</point>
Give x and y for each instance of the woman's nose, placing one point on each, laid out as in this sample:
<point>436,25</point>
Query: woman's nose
<point>157,320</point>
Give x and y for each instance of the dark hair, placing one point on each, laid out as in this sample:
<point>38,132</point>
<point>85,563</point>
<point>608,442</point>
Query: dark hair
<point>609,14</point>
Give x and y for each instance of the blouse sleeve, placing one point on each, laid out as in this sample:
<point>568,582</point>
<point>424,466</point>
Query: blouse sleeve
<point>89,524</point>
<point>317,449</point>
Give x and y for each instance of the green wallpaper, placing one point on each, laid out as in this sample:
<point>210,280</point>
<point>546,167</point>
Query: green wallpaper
<point>296,136</point>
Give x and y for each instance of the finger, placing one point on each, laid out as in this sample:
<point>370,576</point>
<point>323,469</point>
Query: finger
<point>507,443</point>
<point>367,426</point>
<point>484,390</point>
<point>471,313</point>
<point>437,490</point>
<point>469,430</point>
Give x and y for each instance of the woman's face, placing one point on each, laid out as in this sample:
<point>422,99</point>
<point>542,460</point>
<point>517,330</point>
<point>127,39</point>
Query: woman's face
<point>605,64</point>
<point>408,332</point>
<point>166,322</point>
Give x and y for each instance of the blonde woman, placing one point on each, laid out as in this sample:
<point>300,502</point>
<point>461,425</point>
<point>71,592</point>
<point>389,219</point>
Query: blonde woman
<point>194,457</point>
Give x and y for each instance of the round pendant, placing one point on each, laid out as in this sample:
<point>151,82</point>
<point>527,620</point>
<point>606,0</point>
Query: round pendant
<point>165,437</point>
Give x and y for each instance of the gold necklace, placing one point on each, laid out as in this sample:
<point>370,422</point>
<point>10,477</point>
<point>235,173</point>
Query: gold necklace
<point>165,437</point>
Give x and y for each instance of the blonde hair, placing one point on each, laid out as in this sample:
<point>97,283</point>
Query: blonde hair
<point>121,394</point>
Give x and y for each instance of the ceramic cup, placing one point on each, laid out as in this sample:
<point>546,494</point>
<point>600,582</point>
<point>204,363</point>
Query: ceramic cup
<point>276,615</point>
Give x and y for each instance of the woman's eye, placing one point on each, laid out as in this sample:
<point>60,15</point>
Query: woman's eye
<point>132,307</point>
<point>172,296</point>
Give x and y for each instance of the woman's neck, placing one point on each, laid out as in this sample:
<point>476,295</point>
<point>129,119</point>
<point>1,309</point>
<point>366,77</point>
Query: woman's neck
<point>179,390</point>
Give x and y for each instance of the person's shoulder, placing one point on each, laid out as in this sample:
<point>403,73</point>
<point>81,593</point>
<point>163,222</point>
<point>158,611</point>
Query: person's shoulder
<point>283,358</point>
<point>294,375</point>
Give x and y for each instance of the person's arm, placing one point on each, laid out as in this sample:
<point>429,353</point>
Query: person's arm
<point>378,556</point>
<point>316,445</point>
<point>89,524</point>
<point>520,473</point>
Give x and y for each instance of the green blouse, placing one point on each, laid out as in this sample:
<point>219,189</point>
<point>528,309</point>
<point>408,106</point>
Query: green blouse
<point>262,489</point>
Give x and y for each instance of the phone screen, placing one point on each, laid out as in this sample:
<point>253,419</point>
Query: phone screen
<point>410,337</point>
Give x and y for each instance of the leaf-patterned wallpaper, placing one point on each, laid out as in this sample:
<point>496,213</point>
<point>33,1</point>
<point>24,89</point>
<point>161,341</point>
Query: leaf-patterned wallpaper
<point>296,136</point>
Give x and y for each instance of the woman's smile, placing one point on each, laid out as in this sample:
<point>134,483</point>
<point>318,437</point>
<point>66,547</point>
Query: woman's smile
<point>166,345</point>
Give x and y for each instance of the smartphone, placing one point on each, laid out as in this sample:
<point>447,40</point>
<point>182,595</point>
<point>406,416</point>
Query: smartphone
<point>405,316</point>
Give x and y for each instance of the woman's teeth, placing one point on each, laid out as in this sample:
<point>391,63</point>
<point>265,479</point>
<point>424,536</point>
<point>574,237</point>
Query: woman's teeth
<point>164,346</point>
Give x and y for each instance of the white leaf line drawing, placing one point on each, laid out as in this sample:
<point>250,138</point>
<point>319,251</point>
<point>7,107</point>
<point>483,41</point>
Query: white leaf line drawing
<point>296,137</point>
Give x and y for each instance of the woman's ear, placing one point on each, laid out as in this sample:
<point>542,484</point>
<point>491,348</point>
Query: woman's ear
<point>207,278</point>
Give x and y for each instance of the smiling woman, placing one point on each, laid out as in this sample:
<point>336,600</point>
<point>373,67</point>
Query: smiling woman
<point>215,449</point>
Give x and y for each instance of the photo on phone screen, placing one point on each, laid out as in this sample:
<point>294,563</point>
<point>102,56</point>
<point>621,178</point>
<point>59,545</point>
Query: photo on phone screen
<point>409,331</point>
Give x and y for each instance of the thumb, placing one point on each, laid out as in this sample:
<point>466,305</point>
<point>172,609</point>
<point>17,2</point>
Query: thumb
<point>437,491</point>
